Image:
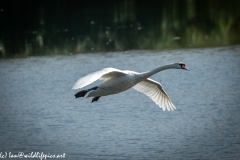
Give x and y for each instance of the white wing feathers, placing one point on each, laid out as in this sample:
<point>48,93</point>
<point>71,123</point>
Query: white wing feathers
<point>155,91</point>
<point>105,73</point>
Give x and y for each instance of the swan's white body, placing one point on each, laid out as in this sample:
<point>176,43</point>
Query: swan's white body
<point>116,81</point>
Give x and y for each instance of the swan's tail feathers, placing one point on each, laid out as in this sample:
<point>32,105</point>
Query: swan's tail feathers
<point>81,93</point>
<point>95,99</point>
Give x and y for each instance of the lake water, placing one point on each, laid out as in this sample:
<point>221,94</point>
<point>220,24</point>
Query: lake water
<point>39,112</point>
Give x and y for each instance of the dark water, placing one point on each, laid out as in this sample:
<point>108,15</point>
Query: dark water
<point>40,114</point>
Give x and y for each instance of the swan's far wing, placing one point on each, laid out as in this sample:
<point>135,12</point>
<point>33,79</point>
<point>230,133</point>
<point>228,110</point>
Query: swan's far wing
<point>155,91</point>
<point>90,78</point>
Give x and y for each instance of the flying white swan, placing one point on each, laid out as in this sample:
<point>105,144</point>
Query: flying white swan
<point>116,81</point>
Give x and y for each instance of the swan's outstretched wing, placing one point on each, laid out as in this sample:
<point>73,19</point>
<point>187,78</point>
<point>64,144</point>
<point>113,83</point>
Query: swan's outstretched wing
<point>155,91</point>
<point>105,73</point>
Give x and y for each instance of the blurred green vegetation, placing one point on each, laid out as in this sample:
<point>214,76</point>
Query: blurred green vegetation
<point>42,27</point>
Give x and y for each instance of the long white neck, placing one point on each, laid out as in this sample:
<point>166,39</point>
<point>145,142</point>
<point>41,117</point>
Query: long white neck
<point>154,71</point>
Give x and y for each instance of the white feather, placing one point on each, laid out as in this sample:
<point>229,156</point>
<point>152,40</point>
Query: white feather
<point>104,74</point>
<point>155,91</point>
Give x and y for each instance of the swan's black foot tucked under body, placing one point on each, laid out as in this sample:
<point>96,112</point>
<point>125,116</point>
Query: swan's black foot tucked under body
<point>83,92</point>
<point>95,99</point>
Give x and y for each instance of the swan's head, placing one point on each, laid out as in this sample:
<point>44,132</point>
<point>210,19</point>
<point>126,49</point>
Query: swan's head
<point>180,65</point>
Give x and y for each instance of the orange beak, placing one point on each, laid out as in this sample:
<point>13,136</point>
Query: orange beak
<point>185,67</point>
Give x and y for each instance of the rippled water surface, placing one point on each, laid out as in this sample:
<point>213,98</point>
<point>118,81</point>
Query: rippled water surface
<point>39,112</point>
